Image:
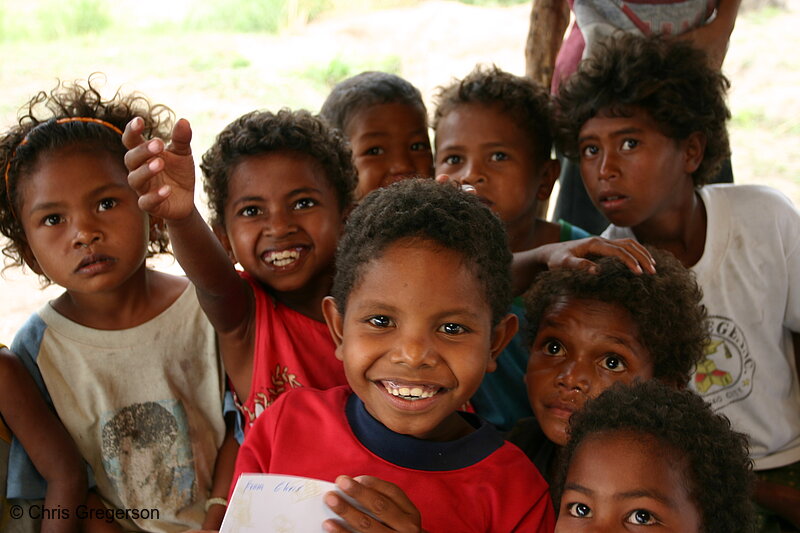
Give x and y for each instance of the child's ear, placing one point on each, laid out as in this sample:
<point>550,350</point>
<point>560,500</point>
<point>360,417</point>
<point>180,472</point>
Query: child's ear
<point>335,321</point>
<point>502,334</point>
<point>222,237</point>
<point>547,178</point>
<point>695,149</point>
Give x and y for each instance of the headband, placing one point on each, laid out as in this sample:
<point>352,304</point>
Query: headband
<point>24,141</point>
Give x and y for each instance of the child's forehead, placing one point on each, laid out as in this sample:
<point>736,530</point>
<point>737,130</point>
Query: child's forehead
<point>483,120</point>
<point>641,117</point>
<point>278,169</point>
<point>386,259</point>
<point>383,116</point>
<point>635,445</point>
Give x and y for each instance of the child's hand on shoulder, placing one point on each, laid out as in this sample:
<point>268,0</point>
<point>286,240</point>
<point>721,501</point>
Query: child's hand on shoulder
<point>386,501</point>
<point>162,175</point>
<point>573,254</point>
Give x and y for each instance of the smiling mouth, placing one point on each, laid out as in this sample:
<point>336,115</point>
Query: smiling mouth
<point>282,258</point>
<point>411,391</point>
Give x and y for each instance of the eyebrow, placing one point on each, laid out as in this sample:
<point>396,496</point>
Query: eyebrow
<point>383,133</point>
<point>615,133</point>
<point>46,206</point>
<point>379,304</point>
<point>550,323</point>
<point>629,495</point>
<point>644,493</point>
<point>294,192</point>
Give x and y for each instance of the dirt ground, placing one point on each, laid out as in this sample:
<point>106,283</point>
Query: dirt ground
<point>434,41</point>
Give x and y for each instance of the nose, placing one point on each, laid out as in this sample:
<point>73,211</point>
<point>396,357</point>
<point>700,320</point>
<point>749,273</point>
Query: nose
<point>472,173</point>
<point>280,223</point>
<point>401,163</point>
<point>608,166</point>
<point>87,232</point>
<point>574,375</point>
<point>415,350</point>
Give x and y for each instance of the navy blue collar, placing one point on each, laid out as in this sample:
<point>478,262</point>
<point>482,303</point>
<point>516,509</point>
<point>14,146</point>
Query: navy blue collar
<point>418,454</point>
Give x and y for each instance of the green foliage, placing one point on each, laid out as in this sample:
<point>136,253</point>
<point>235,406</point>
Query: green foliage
<point>218,60</point>
<point>252,16</point>
<point>57,19</point>
<point>326,75</point>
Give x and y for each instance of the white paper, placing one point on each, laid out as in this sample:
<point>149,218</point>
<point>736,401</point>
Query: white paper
<point>284,504</point>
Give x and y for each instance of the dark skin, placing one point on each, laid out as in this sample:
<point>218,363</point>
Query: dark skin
<point>45,440</point>
<point>75,202</point>
<point>164,178</point>
<point>223,476</point>
<point>386,501</point>
<point>549,254</point>
<point>624,155</point>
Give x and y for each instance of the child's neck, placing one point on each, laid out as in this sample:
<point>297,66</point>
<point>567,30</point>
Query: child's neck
<point>679,229</point>
<point>143,297</point>
<point>527,236</point>
<point>307,300</point>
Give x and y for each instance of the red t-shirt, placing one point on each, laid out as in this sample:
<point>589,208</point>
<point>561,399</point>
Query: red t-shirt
<point>291,351</point>
<point>479,483</point>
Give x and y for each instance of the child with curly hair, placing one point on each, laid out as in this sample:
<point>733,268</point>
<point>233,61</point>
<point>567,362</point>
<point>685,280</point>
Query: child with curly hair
<point>589,330</point>
<point>279,186</point>
<point>121,336</point>
<point>384,119</point>
<point>493,136</point>
<point>419,315</point>
<point>649,455</point>
<point>646,118</point>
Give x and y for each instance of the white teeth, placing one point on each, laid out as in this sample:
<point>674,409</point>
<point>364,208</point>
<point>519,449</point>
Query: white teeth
<point>282,258</point>
<point>415,393</point>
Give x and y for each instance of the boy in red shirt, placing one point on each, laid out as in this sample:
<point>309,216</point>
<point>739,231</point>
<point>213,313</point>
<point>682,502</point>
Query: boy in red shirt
<point>419,315</point>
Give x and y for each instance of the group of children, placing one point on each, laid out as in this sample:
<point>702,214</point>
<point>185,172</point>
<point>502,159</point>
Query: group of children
<point>375,333</point>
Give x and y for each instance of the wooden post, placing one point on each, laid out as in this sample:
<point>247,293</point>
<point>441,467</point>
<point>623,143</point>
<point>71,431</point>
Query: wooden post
<point>549,20</point>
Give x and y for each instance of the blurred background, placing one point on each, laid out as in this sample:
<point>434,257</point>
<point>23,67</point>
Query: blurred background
<point>213,60</point>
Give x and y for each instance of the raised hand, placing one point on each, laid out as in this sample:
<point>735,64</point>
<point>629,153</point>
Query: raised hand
<point>162,176</point>
<point>386,501</point>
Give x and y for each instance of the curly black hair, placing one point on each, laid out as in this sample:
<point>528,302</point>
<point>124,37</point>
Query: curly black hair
<point>668,79</point>
<point>420,208</point>
<point>42,127</point>
<point>714,457</point>
<point>665,306</point>
<point>365,90</point>
<point>260,132</point>
<point>527,103</point>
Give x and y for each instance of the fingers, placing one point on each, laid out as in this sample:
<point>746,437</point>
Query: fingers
<point>152,200</point>
<point>633,254</point>
<point>466,187</point>
<point>143,165</point>
<point>355,518</point>
<point>391,509</point>
<point>181,138</point>
<point>132,136</point>
<point>391,491</point>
